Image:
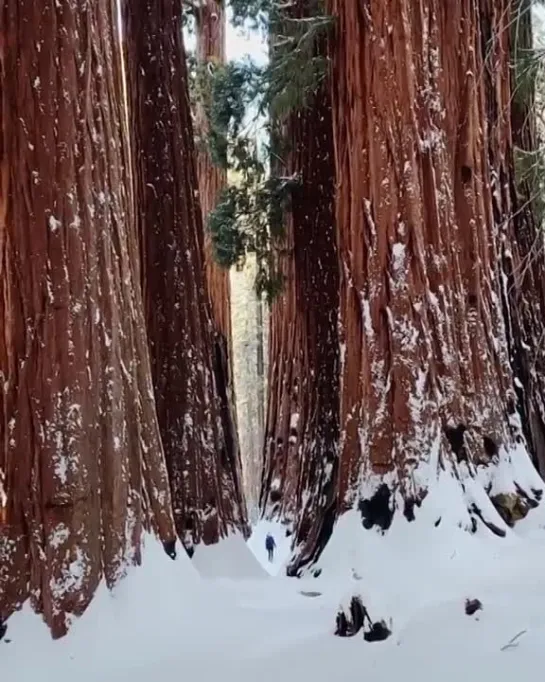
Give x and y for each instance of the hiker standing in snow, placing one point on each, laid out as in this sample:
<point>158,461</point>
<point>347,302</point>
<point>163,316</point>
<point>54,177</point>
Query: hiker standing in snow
<point>270,544</point>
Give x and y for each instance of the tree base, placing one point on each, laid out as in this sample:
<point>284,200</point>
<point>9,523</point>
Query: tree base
<point>440,493</point>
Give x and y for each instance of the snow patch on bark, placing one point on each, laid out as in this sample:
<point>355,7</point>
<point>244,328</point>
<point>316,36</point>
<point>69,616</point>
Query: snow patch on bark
<point>72,575</point>
<point>54,223</point>
<point>59,535</point>
<point>3,495</point>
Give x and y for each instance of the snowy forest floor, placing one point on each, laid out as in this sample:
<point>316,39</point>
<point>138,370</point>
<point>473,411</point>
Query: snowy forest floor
<point>236,621</point>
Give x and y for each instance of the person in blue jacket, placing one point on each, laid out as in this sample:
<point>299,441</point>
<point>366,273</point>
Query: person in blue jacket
<point>270,544</point>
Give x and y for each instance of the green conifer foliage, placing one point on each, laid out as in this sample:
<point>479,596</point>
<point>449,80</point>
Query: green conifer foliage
<point>238,97</point>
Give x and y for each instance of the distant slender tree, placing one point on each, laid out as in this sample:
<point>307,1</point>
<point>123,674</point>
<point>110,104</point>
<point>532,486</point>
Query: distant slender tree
<point>188,359</point>
<point>212,178</point>
<point>82,469</point>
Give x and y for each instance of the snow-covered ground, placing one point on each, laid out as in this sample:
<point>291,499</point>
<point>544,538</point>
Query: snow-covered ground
<point>167,621</point>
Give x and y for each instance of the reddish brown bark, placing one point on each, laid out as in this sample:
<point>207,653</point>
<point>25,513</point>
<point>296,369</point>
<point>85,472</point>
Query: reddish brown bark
<point>80,453</point>
<point>210,29</point>
<point>301,448</point>
<point>420,216</point>
<point>188,359</point>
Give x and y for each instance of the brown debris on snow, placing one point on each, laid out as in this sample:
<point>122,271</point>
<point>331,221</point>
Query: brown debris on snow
<point>513,507</point>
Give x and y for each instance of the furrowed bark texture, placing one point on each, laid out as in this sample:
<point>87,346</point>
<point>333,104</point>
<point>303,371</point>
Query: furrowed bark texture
<point>188,360</point>
<point>524,263</point>
<point>210,29</point>
<point>301,453</point>
<point>421,213</point>
<point>80,453</point>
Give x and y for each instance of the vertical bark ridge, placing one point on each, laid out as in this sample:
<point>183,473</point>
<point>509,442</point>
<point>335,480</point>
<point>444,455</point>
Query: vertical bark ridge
<point>78,423</point>
<point>188,360</point>
<point>420,222</point>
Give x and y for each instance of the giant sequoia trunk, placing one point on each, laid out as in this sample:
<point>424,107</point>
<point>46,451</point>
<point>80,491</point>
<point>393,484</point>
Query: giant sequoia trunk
<point>210,28</point>
<point>188,360</point>
<point>426,381</point>
<point>81,464</point>
<point>302,431</point>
